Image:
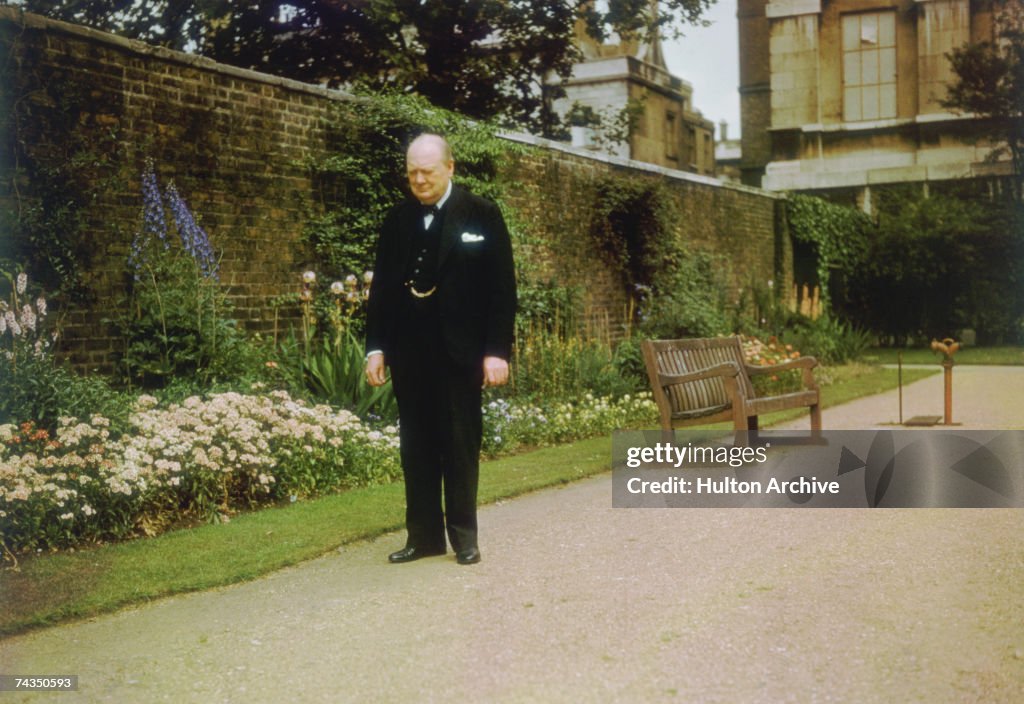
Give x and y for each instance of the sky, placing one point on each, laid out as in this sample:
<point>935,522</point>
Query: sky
<point>708,58</point>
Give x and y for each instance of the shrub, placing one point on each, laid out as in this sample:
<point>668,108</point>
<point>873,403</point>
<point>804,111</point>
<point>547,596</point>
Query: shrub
<point>936,265</point>
<point>693,301</point>
<point>830,340</point>
<point>328,361</point>
<point>549,366</point>
<point>176,319</point>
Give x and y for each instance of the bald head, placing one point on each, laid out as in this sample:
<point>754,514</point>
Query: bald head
<point>429,167</point>
<point>431,141</point>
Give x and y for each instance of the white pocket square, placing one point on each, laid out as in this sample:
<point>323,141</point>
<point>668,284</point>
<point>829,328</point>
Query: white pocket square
<point>470,237</point>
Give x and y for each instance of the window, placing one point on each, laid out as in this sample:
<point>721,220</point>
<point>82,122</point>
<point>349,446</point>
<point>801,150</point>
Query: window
<point>671,137</point>
<point>869,66</point>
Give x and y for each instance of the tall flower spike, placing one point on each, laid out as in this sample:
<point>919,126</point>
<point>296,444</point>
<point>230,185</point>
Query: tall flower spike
<point>193,237</point>
<point>154,224</point>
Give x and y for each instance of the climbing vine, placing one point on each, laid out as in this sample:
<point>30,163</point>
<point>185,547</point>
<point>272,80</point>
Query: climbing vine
<point>676,291</point>
<point>633,222</point>
<point>69,163</point>
<point>361,175</point>
<point>839,234</point>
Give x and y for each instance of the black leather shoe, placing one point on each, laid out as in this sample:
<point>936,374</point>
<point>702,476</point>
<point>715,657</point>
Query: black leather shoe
<point>469,556</point>
<point>409,554</point>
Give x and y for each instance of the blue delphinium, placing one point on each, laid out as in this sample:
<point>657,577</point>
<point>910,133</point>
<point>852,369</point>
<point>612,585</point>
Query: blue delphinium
<point>154,224</point>
<point>193,238</point>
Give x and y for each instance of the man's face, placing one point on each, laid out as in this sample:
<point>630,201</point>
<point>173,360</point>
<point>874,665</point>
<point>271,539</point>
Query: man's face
<point>428,171</point>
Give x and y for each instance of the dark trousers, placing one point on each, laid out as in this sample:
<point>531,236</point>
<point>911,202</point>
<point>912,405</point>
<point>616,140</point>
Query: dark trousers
<point>440,426</point>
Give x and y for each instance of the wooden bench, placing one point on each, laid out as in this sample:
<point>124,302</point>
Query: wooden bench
<point>706,380</point>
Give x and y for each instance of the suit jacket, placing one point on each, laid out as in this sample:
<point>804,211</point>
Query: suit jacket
<point>476,285</point>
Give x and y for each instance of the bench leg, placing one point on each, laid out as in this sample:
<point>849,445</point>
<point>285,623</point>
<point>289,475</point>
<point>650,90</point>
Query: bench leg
<point>752,434</point>
<point>816,420</point>
<point>668,435</point>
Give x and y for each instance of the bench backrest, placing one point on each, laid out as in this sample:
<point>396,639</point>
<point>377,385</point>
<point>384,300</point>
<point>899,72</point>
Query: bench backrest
<point>685,356</point>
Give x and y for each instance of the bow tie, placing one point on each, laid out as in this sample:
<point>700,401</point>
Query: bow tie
<point>429,210</point>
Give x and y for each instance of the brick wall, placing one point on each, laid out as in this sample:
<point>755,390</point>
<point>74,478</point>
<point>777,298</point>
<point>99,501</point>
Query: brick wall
<point>234,141</point>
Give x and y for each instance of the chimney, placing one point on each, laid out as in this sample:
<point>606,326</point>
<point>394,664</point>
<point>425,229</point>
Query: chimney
<point>723,131</point>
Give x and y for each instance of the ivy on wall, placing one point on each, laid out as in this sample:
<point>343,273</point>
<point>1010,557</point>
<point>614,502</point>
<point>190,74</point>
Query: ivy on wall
<point>51,143</point>
<point>677,292</point>
<point>362,175</point>
<point>839,234</point>
<point>633,225</point>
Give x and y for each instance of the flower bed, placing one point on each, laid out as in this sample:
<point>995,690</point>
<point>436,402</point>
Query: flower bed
<point>206,458</point>
<point>201,459</point>
<point>511,425</point>
<point>769,354</point>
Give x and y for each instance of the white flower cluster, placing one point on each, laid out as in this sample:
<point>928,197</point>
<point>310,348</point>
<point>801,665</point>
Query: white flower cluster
<point>508,424</point>
<point>239,444</point>
<point>21,323</point>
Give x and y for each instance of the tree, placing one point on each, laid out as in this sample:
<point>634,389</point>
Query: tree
<point>990,82</point>
<point>483,58</point>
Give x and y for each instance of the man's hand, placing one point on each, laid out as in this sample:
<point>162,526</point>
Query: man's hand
<point>495,371</point>
<point>375,369</point>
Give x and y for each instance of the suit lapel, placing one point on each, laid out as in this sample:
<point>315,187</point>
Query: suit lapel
<point>454,219</point>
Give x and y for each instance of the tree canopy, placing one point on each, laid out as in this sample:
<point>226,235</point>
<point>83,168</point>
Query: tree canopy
<point>990,81</point>
<point>483,58</point>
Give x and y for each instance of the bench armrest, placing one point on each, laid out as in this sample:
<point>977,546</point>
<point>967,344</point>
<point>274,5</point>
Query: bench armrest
<point>727,369</point>
<point>799,363</point>
<point>805,364</point>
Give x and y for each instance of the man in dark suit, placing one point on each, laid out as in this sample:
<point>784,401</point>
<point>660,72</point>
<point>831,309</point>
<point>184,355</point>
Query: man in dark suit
<point>440,314</point>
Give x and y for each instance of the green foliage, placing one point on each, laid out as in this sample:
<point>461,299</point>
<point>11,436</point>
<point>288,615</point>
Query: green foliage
<point>363,174</point>
<point>327,362</point>
<point>828,339</point>
<point>44,227</point>
<point>679,292</point>
<point>508,426</point>
<point>693,302</point>
<point>628,361</point>
<point>335,374</point>
<point>175,319</point>
<point>838,234</point>
<point>990,83</point>
<point>548,365</point>
<point>633,227</point>
<point>176,325</point>
<point>34,386</point>
<point>939,264</point>
<point>442,50</point>
<point>545,305</point>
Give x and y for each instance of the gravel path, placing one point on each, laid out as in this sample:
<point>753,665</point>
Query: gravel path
<point>579,602</point>
<point>984,397</point>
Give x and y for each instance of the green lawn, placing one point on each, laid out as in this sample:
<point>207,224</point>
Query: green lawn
<point>967,355</point>
<point>51,588</point>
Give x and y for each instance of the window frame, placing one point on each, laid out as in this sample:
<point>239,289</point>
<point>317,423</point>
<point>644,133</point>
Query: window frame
<point>875,55</point>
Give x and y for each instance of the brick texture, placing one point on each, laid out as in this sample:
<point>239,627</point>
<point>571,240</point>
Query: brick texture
<point>234,142</point>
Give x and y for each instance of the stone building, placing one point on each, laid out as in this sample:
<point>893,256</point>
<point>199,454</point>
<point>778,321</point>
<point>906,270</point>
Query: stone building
<point>844,95</point>
<point>728,155</point>
<point>628,74</point>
